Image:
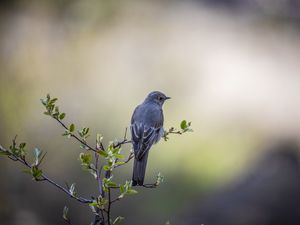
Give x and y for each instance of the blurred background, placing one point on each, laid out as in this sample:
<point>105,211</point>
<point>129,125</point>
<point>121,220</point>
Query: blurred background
<point>231,67</point>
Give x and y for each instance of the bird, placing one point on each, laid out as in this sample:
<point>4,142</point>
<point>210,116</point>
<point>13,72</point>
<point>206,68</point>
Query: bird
<point>146,129</point>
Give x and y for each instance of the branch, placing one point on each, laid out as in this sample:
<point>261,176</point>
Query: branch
<point>184,127</point>
<point>115,200</point>
<point>119,144</point>
<point>98,173</point>
<point>159,180</point>
<point>155,185</point>
<point>97,220</point>
<point>75,136</point>
<point>131,156</point>
<point>102,205</point>
<point>68,222</point>
<point>46,178</point>
<point>109,206</point>
<point>124,141</point>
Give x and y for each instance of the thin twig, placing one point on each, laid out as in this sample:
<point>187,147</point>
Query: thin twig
<point>97,219</point>
<point>102,222</point>
<point>155,185</point>
<point>46,178</point>
<point>171,131</point>
<point>115,200</point>
<point>125,134</point>
<point>68,221</point>
<point>174,132</point>
<point>131,156</point>
<point>120,143</point>
<point>98,172</point>
<point>77,138</point>
<point>41,160</point>
<point>124,141</point>
<point>109,206</point>
<point>99,181</point>
<point>12,158</point>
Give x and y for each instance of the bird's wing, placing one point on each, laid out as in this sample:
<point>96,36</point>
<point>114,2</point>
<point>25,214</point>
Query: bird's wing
<point>146,127</point>
<point>143,138</point>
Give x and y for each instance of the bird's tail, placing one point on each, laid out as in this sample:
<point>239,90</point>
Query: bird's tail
<point>139,170</point>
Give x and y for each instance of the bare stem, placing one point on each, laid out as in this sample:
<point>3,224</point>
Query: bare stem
<point>97,220</point>
<point>77,138</point>
<point>155,185</point>
<point>131,156</point>
<point>115,200</point>
<point>109,206</point>
<point>174,132</point>
<point>47,179</point>
<point>68,222</point>
<point>98,172</point>
<point>124,141</point>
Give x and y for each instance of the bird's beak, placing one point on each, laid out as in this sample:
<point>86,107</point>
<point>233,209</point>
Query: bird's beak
<point>168,98</point>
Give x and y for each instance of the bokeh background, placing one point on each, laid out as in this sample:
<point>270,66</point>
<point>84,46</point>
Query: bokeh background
<point>231,67</point>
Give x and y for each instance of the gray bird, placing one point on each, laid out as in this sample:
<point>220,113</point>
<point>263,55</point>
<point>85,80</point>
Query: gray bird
<point>146,129</point>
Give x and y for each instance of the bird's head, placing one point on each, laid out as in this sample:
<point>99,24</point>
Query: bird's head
<point>156,97</point>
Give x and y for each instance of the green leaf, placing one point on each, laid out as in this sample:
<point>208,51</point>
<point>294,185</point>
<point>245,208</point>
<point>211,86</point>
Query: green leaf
<point>118,220</point>
<point>131,191</point>
<point>85,130</point>
<point>106,167</point>
<point>72,127</point>
<point>119,156</point>
<point>85,158</point>
<point>4,153</point>
<point>115,150</point>
<point>122,189</point>
<point>52,101</point>
<point>101,202</point>
<point>102,153</point>
<point>110,147</point>
<point>62,116</point>
<point>94,203</point>
<point>183,124</point>
<point>36,172</point>
<point>22,145</point>
<point>111,184</point>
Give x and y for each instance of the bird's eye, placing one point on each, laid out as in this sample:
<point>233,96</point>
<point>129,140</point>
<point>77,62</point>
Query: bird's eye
<point>160,98</point>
